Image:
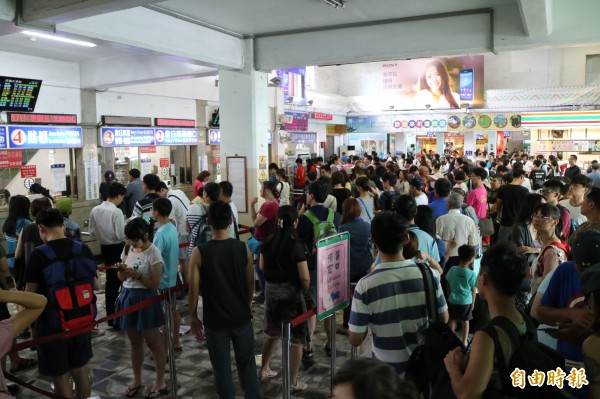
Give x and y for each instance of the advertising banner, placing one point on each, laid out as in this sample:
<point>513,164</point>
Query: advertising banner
<point>333,275</point>
<point>11,158</point>
<point>293,82</point>
<point>438,83</point>
<point>397,123</point>
<point>477,121</point>
<point>26,137</point>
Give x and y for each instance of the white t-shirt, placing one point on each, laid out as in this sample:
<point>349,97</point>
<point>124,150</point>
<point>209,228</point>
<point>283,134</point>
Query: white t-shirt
<point>576,216</point>
<point>284,192</point>
<point>527,184</point>
<point>422,199</point>
<point>181,204</point>
<point>462,186</point>
<point>141,261</point>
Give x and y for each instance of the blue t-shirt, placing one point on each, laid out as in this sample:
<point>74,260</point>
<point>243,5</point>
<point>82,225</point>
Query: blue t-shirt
<point>427,244</point>
<point>461,280</point>
<point>439,207</point>
<point>167,241</point>
<point>564,291</point>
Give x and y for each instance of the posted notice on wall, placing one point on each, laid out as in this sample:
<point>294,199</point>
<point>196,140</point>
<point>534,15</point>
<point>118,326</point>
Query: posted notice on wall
<point>333,275</point>
<point>146,166</point>
<point>58,176</point>
<point>92,183</point>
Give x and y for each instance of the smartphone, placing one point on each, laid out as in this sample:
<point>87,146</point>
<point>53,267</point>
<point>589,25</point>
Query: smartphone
<point>549,328</point>
<point>467,84</point>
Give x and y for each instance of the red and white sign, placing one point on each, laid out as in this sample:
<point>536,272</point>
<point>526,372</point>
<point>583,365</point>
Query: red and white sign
<point>11,159</point>
<point>159,136</point>
<point>165,162</point>
<point>217,159</point>
<point>148,150</point>
<point>28,171</point>
<point>321,116</point>
<point>108,137</point>
<point>19,137</point>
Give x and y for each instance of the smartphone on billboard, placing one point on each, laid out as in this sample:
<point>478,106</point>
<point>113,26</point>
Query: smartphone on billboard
<point>467,84</point>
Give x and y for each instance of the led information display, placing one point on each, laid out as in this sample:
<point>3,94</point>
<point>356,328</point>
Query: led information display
<point>18,94</point>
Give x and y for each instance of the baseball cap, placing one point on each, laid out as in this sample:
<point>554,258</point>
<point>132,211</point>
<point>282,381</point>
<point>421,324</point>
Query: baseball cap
<point>590,279</point>
<point>585,248</point>
<point>417,182</point>
<point>109,174</point>
<point>64,206</point>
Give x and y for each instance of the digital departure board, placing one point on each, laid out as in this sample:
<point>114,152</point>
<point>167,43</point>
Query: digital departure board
<point>18,94</point>
<point>169,122</point>
<point>42,119</point>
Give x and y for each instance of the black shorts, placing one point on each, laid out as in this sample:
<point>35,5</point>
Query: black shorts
<point>4,313</point>
<point>459,312</point>
<point>56,358</point>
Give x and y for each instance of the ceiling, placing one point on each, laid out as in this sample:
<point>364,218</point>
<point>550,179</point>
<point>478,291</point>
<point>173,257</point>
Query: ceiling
<point>264,16</point>
<point>211,33</point>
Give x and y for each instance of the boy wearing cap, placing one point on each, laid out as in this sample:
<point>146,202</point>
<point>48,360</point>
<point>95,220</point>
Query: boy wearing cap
<point>72,229</point>
<point>109,178</point>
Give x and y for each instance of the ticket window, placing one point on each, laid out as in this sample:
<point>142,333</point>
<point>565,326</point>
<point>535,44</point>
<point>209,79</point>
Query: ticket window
<point>170,163</point>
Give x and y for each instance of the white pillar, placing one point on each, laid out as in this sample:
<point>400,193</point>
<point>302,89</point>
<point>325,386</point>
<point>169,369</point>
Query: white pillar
<point>470,144</point>
<point>440,144</point>
<point>400,143</point>
<point>245,121</point>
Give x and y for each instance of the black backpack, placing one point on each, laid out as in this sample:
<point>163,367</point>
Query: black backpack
<point>204,233</point>
<point>426,362</point>
<point>529,355</point>
<point>388,198</point>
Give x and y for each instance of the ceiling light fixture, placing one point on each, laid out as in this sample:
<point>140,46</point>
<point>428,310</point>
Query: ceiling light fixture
<point>58,38</point>
<point>336,3</point>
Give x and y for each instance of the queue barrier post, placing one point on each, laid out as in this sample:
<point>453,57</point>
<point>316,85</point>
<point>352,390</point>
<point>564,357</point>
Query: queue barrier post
<point>171,352</point>
<point>286,331</point>
<point>331,322</point>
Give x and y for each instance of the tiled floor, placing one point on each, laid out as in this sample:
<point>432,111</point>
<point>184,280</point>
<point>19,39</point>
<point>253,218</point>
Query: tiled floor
<point>111,365</point>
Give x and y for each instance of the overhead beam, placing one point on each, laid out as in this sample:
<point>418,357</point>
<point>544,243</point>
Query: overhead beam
<point>57,11</point>
<point>136,69</point>
<point>166,35</point>
<point>449,34</point>
<point>536,16</point>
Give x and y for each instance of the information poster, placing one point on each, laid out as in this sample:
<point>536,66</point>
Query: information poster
<point>28,171</point>
<point>236,175</point>
<point>91,171</point>
<point>11,158</point>
<point>58,176</point>
<point>333,275</point>
<point>146,166</point>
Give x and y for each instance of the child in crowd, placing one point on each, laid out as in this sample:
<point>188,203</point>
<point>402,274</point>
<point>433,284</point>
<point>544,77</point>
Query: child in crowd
<point>463,285</point>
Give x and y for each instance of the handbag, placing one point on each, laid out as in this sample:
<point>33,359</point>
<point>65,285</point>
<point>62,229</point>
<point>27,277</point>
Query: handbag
<point>426,364</point>
<point>486,225</point>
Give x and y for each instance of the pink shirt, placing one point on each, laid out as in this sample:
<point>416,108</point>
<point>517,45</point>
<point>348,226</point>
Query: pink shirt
<point>6,341</point>
<point>477,198</point>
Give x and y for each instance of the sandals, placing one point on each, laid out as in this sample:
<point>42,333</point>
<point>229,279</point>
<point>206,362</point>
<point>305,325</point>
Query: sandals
<point>130,392</point>
<point>299,386</point>
<point>155,393</point>
<point>265,375</point>
<point>24,364</point>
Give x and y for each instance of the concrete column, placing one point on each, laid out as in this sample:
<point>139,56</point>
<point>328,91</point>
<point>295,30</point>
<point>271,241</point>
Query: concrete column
<point>245,121</point>
<point>277,147</point>
<point>470,144</point>
<point>400,143</point>
<point>440,144</point>
<point>89,122</point>
<point>200,149</point>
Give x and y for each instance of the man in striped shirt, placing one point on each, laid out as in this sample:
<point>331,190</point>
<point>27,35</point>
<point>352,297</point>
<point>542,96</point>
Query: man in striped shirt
<point>391,300</point>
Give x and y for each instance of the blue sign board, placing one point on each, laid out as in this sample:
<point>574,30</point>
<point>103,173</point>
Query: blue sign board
<point>175,136</point>
<point>126,136</point>
<point>214,137</point>
<point>3,140</point>
<point>24,137</point>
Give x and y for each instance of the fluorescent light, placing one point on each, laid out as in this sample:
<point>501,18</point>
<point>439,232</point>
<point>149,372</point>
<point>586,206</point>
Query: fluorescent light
<point>58,38</point>
<point>336,3</point>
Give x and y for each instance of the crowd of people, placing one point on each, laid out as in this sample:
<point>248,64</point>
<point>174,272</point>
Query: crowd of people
<point>511,236</point>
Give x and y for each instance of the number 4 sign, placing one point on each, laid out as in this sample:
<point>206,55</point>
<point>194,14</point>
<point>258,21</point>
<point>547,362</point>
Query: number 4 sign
<point>18,137</point>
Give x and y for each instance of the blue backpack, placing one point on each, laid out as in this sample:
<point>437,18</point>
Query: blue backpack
<point>69,288</point>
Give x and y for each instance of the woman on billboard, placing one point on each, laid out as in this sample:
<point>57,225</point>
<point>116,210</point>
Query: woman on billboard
<point>434,89</point>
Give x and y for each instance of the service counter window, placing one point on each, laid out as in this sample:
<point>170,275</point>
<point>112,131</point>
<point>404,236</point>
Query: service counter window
<point>38,154</point>
<point>160,150</point>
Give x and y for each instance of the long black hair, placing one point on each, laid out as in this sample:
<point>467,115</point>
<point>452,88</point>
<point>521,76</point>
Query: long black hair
<point>281,241</point>
<point>37,188</point>
<point>529,208</point>
<point>425,219</point>
<point>136,229</point>
<point>18,208</point>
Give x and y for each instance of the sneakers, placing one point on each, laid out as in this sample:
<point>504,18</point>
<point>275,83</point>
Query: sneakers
<point>96,332</point>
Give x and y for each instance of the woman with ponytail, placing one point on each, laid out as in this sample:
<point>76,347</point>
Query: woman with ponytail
<point>283,262</point>
<point>38,191</point>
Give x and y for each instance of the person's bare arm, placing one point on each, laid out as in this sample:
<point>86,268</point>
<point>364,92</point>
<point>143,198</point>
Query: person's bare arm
<point>33,305</point>
<point>304,274</point>
<point>19,250</point>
